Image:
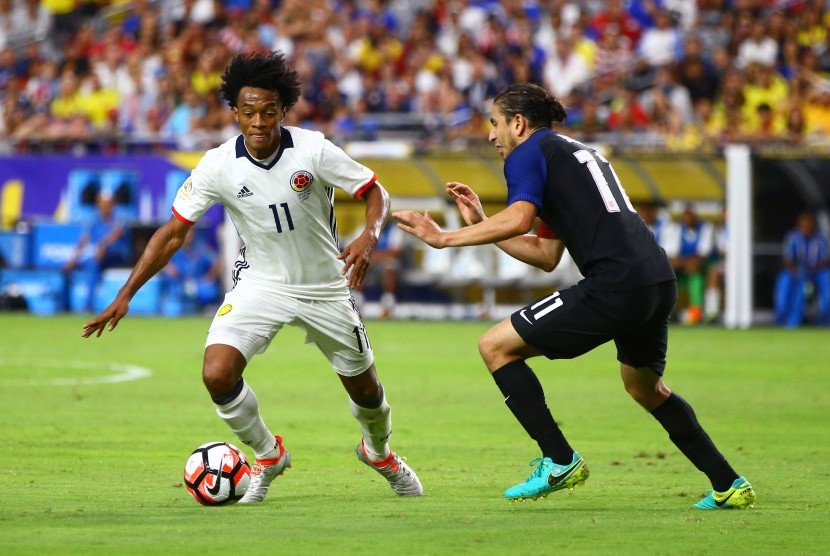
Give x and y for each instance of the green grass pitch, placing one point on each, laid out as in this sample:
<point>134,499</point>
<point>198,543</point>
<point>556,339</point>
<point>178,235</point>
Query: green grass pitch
<point>93,465</point>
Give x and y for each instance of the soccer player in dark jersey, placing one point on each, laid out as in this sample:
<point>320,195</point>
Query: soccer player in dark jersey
<point>627,294</point>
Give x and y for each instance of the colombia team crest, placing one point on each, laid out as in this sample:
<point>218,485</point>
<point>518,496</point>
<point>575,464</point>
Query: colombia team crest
<point>301,183</point>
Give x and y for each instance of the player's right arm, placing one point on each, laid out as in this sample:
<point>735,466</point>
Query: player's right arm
<point>161,247</point>
<point>541,252</point>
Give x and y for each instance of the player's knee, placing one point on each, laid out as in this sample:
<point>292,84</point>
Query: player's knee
<point>492,352</point>
<point>648,394</point>
<point>487,346</point>
<point>635,390</point>
<point>217,379</point>
<point>364,389</point>
<point>367,396</point>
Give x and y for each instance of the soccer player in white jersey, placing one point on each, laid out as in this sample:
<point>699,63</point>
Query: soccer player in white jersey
<point>277,184</point>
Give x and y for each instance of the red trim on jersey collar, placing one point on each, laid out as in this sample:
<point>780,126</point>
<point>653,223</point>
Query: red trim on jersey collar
<point>180,217</point>
<point>366,187</point>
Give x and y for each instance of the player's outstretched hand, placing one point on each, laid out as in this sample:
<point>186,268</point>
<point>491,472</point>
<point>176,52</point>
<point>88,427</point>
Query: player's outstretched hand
<point>356,258</point>
<point>420,225</point>
<point>468,202</point>
<point>111,315</point>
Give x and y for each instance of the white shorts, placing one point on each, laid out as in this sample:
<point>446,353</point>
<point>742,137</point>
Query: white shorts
<point>250,317</point>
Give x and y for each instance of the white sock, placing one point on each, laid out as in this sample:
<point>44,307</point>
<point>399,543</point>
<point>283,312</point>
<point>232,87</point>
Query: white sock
<point>242,416</point>
<point>376,426</point>
<point>387,301</point>
<point>711,302</point>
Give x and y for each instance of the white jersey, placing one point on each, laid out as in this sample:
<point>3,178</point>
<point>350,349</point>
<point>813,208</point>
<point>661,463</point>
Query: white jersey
<point>283,211</point>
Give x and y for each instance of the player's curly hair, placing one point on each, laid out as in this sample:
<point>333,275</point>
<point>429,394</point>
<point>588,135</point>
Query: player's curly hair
<point>531,101</point>
<point>263,71</point>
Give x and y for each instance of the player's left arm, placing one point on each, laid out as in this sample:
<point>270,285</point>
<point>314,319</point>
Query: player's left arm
<point>357,255</point>
<point>541,252</point>
<point>517,219</point>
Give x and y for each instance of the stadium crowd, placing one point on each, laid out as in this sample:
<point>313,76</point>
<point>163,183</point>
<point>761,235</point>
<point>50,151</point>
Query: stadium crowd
<point>679,74</point>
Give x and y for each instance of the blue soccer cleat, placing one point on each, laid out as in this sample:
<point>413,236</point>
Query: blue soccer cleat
<point>739,496</point>
<point>549,477</point>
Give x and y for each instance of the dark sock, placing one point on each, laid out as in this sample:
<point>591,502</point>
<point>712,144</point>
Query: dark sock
<point>524,396</point>
<point>680,421</point>
<point>229,397</point>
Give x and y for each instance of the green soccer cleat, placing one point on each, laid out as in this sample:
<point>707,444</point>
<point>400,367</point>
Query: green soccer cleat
<point>739,496</point>
<point>549,477</point>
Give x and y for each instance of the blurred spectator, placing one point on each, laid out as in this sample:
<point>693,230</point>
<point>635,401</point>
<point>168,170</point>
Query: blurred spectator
<point>716,265</point>
<point>565,69</point>
<point>674,96</point>
<point>105,243</point>
<point>758,48</point>
<point>193,273</point>
<point>795,129</point>
<point>626,115</point>
<point>764,86</point>
<point>698,77</point>
<point>69,121</point>
<point>7,69</point>
<point>656,218</point>
<point>805,274</point>
<point>728,110</point>
<point>715,26</point>
<point>29,22</point>
<point>99,104</point>
<point>586,118</point>
<point>472,131</point>
<point>385,268</point>
<point>700,135</point>
<point>216,124</point>
<point>789,59</point>
<point>769,128</point>
<point>207,76</point>
<point>184,119</point>
<point>812,32</point>
<point>612,18</point>
<point>482,86</point>
<point>6,23</point>
<point>137,101</point>
<point>685,12</point>
<point>661,44</point>
<point>67,17</point>
<point>824,55</point>
<point>817,112</point>
<point>614,55</point>
<point>688,246</point>
<point>13,111</point>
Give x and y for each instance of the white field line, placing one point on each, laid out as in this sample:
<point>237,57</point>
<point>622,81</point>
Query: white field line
<point>118,372</point>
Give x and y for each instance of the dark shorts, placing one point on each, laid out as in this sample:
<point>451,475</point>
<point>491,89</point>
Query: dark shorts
<point>575,320</point>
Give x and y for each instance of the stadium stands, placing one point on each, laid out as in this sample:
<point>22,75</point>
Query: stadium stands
<point>673,77</point>
<point>678,74</point>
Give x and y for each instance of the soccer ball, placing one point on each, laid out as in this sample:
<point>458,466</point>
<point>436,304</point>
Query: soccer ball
<point>217,473</point>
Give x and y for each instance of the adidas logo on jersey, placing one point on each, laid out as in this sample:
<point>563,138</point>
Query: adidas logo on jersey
<point>244,192</point>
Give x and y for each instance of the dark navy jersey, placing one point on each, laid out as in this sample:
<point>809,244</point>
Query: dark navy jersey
<point>580,199</point>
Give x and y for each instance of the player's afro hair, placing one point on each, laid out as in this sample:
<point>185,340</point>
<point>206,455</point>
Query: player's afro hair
<point>531,101</point>
<point>263,71</point>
